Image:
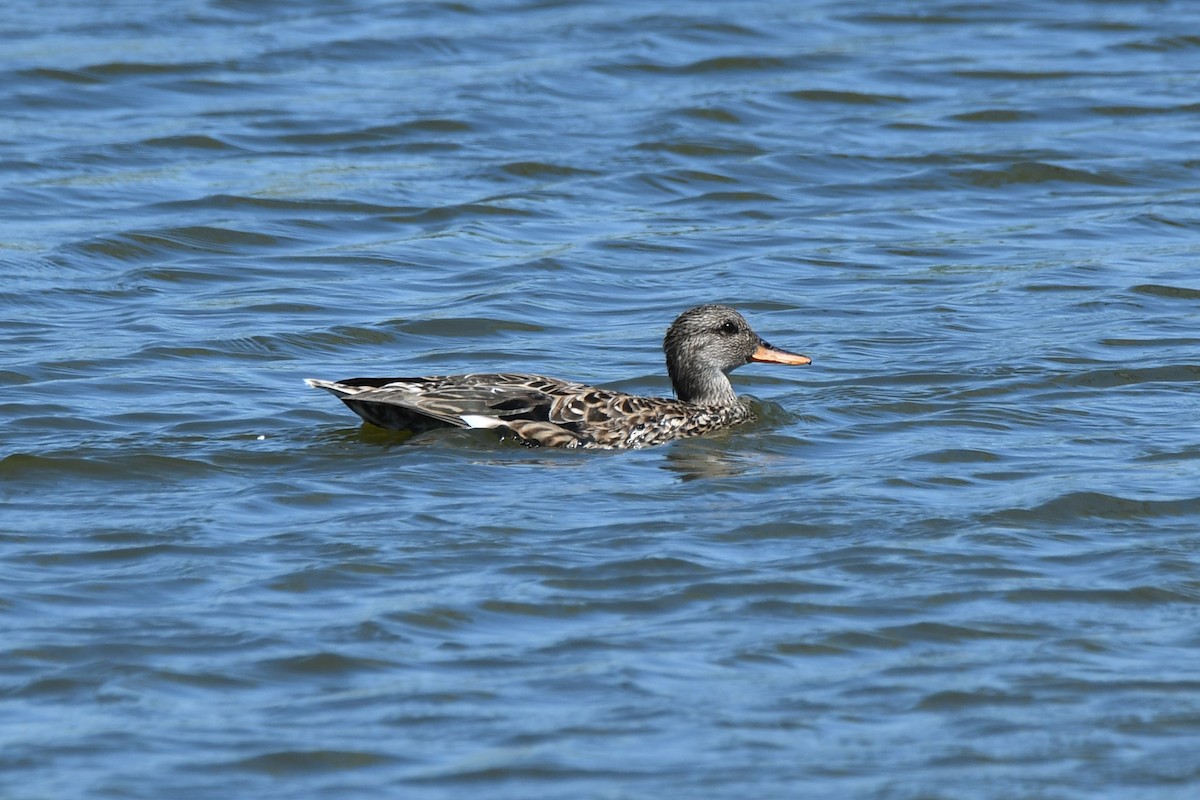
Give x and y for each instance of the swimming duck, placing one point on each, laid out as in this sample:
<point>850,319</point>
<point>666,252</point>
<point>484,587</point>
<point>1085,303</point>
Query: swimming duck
<point>702,345</point>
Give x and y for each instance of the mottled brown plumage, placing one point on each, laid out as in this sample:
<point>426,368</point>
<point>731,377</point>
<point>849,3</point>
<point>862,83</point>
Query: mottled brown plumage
<point>702,346</point>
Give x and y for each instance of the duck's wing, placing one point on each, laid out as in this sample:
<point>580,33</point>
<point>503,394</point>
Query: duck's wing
<point>422,403</point>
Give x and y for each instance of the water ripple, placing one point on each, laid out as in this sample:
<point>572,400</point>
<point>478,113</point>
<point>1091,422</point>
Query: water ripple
<point>978,504</point>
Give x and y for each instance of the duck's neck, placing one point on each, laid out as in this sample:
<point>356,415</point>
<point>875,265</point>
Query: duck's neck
<point>700,385</point>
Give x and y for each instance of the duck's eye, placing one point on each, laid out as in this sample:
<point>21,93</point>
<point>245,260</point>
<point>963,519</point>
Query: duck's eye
<point>729,327</point>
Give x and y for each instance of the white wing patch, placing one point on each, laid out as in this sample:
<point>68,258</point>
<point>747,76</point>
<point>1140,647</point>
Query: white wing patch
<point>480,421</point>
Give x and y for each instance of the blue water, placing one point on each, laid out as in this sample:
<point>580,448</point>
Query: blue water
<point>956,558</point>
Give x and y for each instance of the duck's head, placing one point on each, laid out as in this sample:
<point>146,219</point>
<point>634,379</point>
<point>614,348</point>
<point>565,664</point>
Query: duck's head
<point>705,343</point>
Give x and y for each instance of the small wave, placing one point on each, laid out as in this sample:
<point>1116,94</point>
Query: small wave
<point>134,469</point>
<point>145,245</point>
<point>1164,44</point>
<point>288,762</point>
<point>1172,292</point>
<point>1112,378</point>
<point>1036,172</point>
<point>1075,506</point>
<point>847,97</point>
<point>706,66</point>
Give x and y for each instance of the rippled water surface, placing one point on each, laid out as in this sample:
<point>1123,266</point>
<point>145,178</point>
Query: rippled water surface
<point>957,558</point>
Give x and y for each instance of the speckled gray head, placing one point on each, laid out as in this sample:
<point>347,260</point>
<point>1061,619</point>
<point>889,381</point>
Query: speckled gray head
<point>705,343</point>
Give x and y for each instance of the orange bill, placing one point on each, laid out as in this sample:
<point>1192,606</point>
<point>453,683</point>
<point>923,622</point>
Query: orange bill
<point>771,355</point>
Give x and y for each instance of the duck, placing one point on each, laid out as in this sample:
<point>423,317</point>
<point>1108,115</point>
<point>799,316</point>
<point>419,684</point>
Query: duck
<point>702,346</point>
